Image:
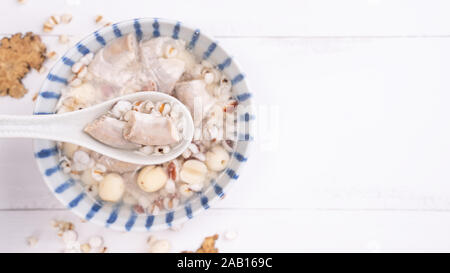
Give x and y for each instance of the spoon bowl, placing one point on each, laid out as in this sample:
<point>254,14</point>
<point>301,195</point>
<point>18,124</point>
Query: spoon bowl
<point>68,127</point>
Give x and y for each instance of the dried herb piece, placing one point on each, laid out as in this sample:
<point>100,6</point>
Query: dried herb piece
<point>208,245</point>
<point>18,55</point>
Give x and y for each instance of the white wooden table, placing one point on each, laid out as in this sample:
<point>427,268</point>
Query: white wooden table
<point>352,150</point>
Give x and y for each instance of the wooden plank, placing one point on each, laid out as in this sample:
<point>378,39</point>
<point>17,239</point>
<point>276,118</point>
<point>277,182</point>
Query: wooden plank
<point>245,18</point>
<point>258,231</point>
<point>358,124</point>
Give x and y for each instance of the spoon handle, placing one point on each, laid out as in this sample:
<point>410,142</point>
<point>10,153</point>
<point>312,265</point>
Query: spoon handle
<point>38,126</point>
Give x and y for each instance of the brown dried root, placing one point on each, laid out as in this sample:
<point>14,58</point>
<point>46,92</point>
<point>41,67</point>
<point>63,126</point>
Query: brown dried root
<point>18,55</point>
<point>208,245</point>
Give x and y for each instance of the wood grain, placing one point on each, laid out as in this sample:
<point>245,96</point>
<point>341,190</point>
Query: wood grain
<point>246,18</point>
<point>258,231</point>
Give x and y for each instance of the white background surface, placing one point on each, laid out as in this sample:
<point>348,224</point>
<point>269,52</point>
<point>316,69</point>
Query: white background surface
<point>359,95</point>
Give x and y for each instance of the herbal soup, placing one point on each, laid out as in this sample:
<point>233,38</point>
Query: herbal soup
<point>160,64</point>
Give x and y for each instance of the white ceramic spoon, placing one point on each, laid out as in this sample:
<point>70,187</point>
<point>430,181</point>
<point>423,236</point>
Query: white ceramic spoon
<point>68,127</point>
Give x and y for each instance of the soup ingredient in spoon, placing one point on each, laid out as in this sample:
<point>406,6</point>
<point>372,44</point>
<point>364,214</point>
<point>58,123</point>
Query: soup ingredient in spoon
<point>149,129</point>
<point>109,131</point>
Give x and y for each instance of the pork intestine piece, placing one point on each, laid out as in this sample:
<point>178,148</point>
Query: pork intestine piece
<point>117,62</point>
<point>109,131</point>
<point>195,96</point>
<point>165,72</point>
<point>150,129</point>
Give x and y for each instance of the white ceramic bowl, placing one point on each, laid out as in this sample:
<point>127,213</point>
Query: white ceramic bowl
<point>120,216</point>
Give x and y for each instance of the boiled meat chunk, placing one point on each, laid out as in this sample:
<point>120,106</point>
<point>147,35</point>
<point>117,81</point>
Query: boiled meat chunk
<point>149,129</point>
<point>164,72</point>
<point>194,95</point>
<point>109,131</point>
<point>117,62</point>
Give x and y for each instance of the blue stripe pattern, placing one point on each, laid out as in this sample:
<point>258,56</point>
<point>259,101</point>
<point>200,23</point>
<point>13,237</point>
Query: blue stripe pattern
<point>243,97</point>
<point>99,38</point>
<point>52,170</point>
<point>231,173</point>
<point>77,200</point>
<point>83,49</point>
<point>47,152</point>
<point>137,29</point>
<point>169,218</point>
<point>245,137</point>
<point>224,64</point>
<point>176,30</point>
<point>65,185</point>
<point>130,223</point>
<point>67,61</point>
<point>49,95</point>
<point>194,39</point>
<point>113,216</point>
<point>237,79</point>
<point>218,190</point>
<point>247,117</point>
<point>117,31</point>
<point>43,113</point>
<point>55,78</point>
<point>94,209</point>
<point>156,28</point>
<point>210,50</point>
<point>149,222</point>
<point>188,210</point>
<point>239,157</point>
<point>204,201</point>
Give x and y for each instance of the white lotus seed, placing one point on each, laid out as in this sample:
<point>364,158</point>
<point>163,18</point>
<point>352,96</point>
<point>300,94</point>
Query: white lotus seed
<point>193,172</point>
<point>111,188</point>
<point>151,178</point>
<point>217,158</point>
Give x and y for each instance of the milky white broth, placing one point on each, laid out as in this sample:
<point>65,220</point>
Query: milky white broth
<point>160,64</point>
